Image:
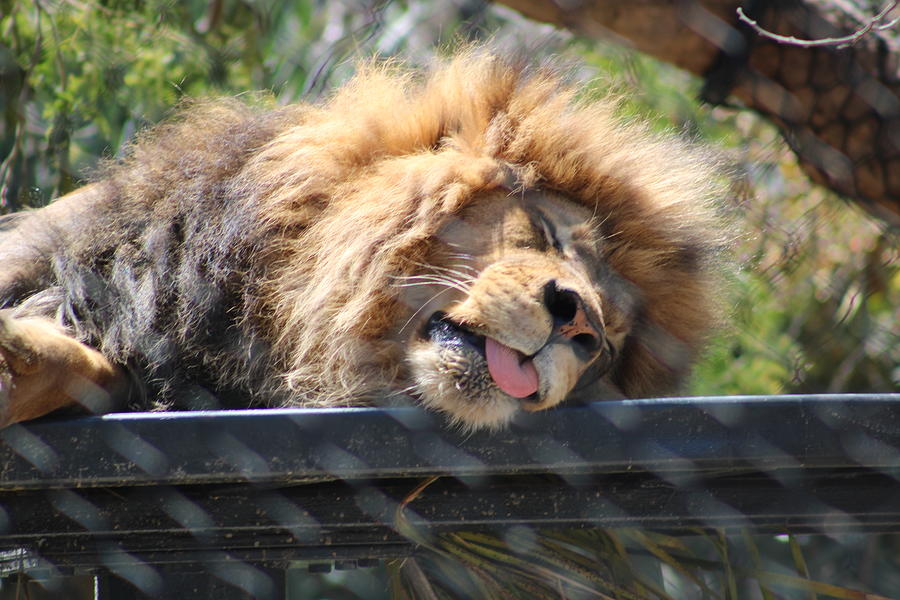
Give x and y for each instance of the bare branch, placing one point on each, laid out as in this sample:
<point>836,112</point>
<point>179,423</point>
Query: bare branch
<point>873,23</point>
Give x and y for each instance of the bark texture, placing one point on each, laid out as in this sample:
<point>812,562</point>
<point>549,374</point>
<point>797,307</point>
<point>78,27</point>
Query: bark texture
<point>838,107</point>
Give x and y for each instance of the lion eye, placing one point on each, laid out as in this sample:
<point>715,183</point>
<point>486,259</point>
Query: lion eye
<point>549,230</point>
<point>607,357</point>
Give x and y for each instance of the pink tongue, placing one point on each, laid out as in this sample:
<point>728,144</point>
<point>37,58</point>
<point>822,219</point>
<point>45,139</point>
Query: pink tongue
<point>516,378</point>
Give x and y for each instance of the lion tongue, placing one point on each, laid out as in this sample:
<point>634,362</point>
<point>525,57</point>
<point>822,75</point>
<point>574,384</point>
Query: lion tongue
<point>514,376</point>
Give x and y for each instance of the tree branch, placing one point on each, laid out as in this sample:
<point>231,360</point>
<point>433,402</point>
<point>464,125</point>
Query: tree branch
<point>839,42</point>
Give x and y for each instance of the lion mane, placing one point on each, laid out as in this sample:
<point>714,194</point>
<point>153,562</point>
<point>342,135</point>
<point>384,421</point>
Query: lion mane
<point>241,255</point>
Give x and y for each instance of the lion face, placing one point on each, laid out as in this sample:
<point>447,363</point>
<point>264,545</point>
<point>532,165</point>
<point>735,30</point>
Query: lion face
<point>511,313</point>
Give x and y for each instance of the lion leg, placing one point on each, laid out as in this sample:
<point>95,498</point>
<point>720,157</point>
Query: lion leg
<point>43,369</point>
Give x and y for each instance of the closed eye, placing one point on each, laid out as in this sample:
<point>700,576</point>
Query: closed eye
<point>549,231</point>
<point>607,358</point>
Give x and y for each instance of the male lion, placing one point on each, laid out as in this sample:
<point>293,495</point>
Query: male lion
<point>473,237</point>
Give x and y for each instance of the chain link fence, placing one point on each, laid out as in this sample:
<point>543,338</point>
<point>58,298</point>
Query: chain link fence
<point>740,493</point>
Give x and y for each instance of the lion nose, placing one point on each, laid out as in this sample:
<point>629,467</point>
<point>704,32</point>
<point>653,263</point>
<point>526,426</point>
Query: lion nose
<point>570,320</point>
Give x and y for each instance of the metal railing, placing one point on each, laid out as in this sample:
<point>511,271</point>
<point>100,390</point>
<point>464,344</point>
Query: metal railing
<point>152,497</point>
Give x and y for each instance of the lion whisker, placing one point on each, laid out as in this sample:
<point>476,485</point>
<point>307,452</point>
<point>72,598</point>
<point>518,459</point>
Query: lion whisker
<point>474,270</point>
<point>421,308</point>
<point>442,269</point>
<point>404,391</point>
<point>420,276</point>
<point>462,285</point>
<point>463,256</point>
<point>444,284</point>
<point>461,274</point>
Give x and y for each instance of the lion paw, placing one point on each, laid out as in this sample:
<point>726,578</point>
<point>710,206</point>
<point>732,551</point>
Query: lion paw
<point>43,369</point>
<point>17,353</point>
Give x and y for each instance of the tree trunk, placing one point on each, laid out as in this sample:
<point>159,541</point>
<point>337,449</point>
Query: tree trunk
<point>838,107</point>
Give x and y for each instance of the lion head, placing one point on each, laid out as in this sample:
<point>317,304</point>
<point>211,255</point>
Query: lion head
<point>485,241</point>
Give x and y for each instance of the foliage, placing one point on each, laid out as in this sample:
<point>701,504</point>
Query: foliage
<point>80,78</point>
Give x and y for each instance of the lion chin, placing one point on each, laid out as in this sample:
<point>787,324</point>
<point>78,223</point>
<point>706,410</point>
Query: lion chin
<point>472,235</point>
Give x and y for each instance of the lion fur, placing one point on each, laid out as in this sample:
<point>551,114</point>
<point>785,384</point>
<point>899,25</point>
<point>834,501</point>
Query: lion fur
<point>243,255</point>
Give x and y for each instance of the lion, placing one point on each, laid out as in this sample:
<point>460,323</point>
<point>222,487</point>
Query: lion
<point>475,238</point>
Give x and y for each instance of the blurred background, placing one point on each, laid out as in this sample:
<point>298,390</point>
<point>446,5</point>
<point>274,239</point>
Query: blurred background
<point>815,297</point>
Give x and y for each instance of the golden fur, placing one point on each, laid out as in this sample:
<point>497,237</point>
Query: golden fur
<point>331,235</point>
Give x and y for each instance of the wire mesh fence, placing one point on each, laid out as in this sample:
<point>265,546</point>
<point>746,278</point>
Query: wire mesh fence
<point>759,496</point>
<point>686,497</point>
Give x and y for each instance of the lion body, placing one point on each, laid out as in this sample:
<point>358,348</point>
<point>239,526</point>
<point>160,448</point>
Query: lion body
<point>298,256</point>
